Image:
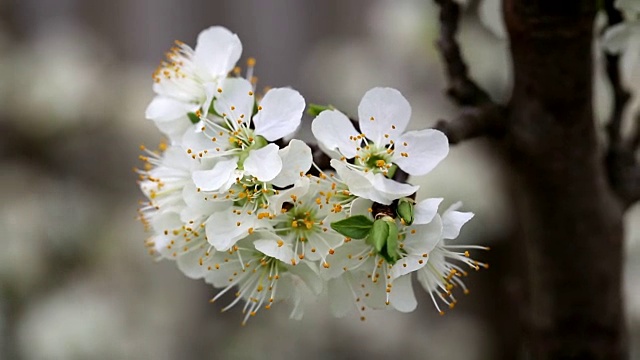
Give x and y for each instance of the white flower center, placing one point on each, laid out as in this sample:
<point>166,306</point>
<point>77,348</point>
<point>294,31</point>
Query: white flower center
<point>375,158</point>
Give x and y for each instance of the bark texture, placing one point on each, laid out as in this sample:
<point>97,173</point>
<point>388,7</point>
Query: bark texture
<point>570,220</point>
<point>569,191</point>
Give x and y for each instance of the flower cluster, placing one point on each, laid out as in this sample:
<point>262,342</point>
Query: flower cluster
<point>235,206</point>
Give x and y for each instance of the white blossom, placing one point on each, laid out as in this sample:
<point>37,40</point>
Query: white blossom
<point>390,283</point>
<point>442,273</point>
<point>239,140</point>
<point>187,81</point>
<point>234,207</point>
<point>305,213</point>
<point>256,268</point>
<point>382,144</point>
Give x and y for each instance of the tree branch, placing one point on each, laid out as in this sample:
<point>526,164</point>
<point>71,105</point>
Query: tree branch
<point>634,140</point>
<point>481,116</point>
<point>620,95</point>
<point>461,87</point>
<point>624,175</point>
<point>474,122</point>
<point>622,167</point>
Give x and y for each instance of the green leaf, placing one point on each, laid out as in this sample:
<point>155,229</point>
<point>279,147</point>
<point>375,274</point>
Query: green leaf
<point>315,109</point>
<point>355,227</point>
<point>193,117</point>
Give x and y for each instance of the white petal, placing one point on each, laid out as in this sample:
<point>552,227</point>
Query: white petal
<point>453,221</point>
<point>167,220</point>
<point>323,243</point>
<point>219,277</point>
<point>407,265</point>
<point>340,259</point>
<point>210,91</point>
<point>417,244</point>
<point>217,51</point>
<point>392,189</point>
<point>334,131</point>
<point>425,149</point>
<point>162,109</point>
<point>359,184</point>
<point>190,265</point>
<point>377,298</point>
<point>236,100</point>
<point>296,160</point>
<point>197,206</point>
<point>176,165</point>
<point>391,113</point>
<point>308,273</point>
<point>265,163</point>
<point>299,189</point>
<point>402,297</point>
<point>196,140</point>
<point>294,291</point>
<point>341,298</point>
<point>298,310</point>
<point>373,187</point>
<point>224,228</point>
<point>280,114</point>
<point>361,206</point>
<point>170,116</point>
<point>216,178</point>
<point>490,14</point>
<point>425,238</point>
<point>425,210</point>
<point>272,248</point>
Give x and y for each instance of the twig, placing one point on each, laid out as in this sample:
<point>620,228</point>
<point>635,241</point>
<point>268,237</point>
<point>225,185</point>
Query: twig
<point>620,95</point>
<point>481,116</point>
<point>634,139</point>
<point>474,122</point>
<point>624,175</point>
<point>461,88</point>
<point>622,166</point>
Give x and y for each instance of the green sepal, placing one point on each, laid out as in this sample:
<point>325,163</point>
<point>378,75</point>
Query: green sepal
<point>392,242</point>
<point>392,171</point>
<point>193,117</point>
<point>379,234</point>
<point>315,109</point>
<point>259,142</point>
<point>405,210</point>
<point>354,227</point>
<point>212,109</point>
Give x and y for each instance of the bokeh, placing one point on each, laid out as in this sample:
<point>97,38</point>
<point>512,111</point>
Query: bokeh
<point>76,281</point>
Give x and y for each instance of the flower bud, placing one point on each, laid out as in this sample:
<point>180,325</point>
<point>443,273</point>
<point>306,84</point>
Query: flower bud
<point>392,242</point>
<point>384,238</point>
<point>379,233</point>
<point>405,210</point>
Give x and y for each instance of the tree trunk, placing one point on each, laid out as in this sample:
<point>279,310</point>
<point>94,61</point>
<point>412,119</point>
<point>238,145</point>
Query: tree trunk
<point>570,223</point>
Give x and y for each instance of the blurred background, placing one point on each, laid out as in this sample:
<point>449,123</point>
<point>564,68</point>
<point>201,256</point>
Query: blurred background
<point>75,78</point>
